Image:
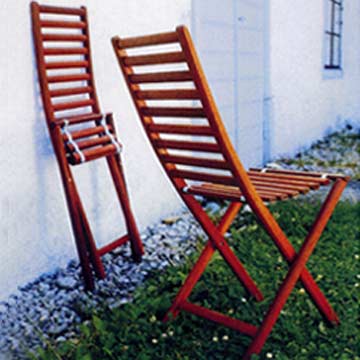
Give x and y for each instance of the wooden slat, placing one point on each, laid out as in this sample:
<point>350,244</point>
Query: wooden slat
<point>263,191</point>
<point>92,154</point>
<point>78,134</point>
<point>173,112</point>
<point>166,76</point>
<point>63,24</point>
<point>154,39</point>
<point>61,10</point>
<point>180,129</point>
<point>191,161</point>
<point>301,189</point>
<point>68,78</point>
<point>306,173</point>
<point>178,94</point>
<point>71,91</point>
<point>311,185</point>
<point>88,143</point>
<point>77,119</point>
<point>276,190</point>
<point>66,51</point>
<point>64,37</point>
<point>73,104</point>
<point>66,64</point>
<point>187,145</point>
<point>222,192</point>
<point>212,178</point>
<point>164,58</point>
<point>113,245</point>
<point>238,325</point>
<point>291,176</point>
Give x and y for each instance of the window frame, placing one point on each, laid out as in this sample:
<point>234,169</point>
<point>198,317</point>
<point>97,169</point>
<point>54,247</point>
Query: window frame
<point>333,56</point>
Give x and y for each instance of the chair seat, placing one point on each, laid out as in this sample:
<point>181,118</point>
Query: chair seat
<point>271,185</point>
<point>89,143</point>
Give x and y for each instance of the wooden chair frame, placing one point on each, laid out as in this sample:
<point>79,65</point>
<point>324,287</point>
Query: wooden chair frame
<point>254,187</point>
<point>97,136</point>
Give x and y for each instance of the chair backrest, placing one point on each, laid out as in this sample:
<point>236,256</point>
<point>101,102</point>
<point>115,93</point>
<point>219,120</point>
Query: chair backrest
<point>62,42</point>
<point>164,67</point>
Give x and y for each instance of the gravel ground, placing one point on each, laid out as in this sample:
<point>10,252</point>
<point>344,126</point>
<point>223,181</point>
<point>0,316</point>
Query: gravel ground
<point>339,152</point>
<point>53,305</point>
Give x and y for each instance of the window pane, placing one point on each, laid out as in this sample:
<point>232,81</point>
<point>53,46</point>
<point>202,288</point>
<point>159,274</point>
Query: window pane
<point>333,30</point>
<point>337,52</point>
<point>327,49</point>
<point>338,19</point>
<point>328,16</point>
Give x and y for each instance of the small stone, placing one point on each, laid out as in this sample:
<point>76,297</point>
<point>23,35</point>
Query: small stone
<point>171,220</point>
<point>66,282</point>
<point>212,207</point>
<point>57,329</point>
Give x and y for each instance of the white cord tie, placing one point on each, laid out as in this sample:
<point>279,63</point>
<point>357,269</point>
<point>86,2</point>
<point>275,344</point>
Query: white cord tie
<point>119,147</point>
<point>71,141</point>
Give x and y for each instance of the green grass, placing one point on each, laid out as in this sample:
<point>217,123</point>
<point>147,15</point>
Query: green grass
<point>134,330</point>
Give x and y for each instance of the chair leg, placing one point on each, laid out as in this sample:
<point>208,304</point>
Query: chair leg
<point>72,199</point>
<point>119,182</point>
<point>296,269</point>
<point>94,256</point>
<point>191,280</point>
<point>289,253</point>
<point>76,216</point>
<point>223,247</point>
<point>201,264</point>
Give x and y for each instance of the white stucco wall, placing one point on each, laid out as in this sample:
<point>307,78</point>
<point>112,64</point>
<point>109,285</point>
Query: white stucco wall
<point>35,232</point>
<point>305,103</point>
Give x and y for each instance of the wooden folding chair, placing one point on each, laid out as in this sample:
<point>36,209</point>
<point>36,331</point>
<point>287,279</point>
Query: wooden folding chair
<point>199,159</point>
<point>79,131</point>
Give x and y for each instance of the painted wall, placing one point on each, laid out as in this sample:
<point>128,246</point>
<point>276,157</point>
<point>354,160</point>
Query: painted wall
<point>306,102</point>
<point>35,233</point>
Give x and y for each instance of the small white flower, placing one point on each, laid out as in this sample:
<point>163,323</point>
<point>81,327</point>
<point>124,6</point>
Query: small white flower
<point>215,339</point>
<point>231,311</point>
<point>154,341</point>
<point>358,276</point>
<point>152,319</point>
<point>171,333</point>
<point>125,347</point>
<point>357,256</point>
<point>269,355</point>
<point>356,285</point>
<point>301,291</point>
<point>243,300</point>
<point>225,337</point>
<point>164,335</point>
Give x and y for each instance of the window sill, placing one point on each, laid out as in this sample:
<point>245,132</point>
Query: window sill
<point>329,74</point>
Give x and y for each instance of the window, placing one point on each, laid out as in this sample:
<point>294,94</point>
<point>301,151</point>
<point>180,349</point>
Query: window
<point>333,35</point>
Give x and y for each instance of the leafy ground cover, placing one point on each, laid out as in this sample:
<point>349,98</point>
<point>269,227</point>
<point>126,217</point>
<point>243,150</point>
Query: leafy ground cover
<point>134,330</point>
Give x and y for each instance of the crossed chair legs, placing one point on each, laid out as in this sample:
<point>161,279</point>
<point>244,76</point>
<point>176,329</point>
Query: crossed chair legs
<point>297,269</point>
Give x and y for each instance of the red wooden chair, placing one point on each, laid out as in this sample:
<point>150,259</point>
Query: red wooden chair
<point>78,130</point>
<point>200,160</point>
